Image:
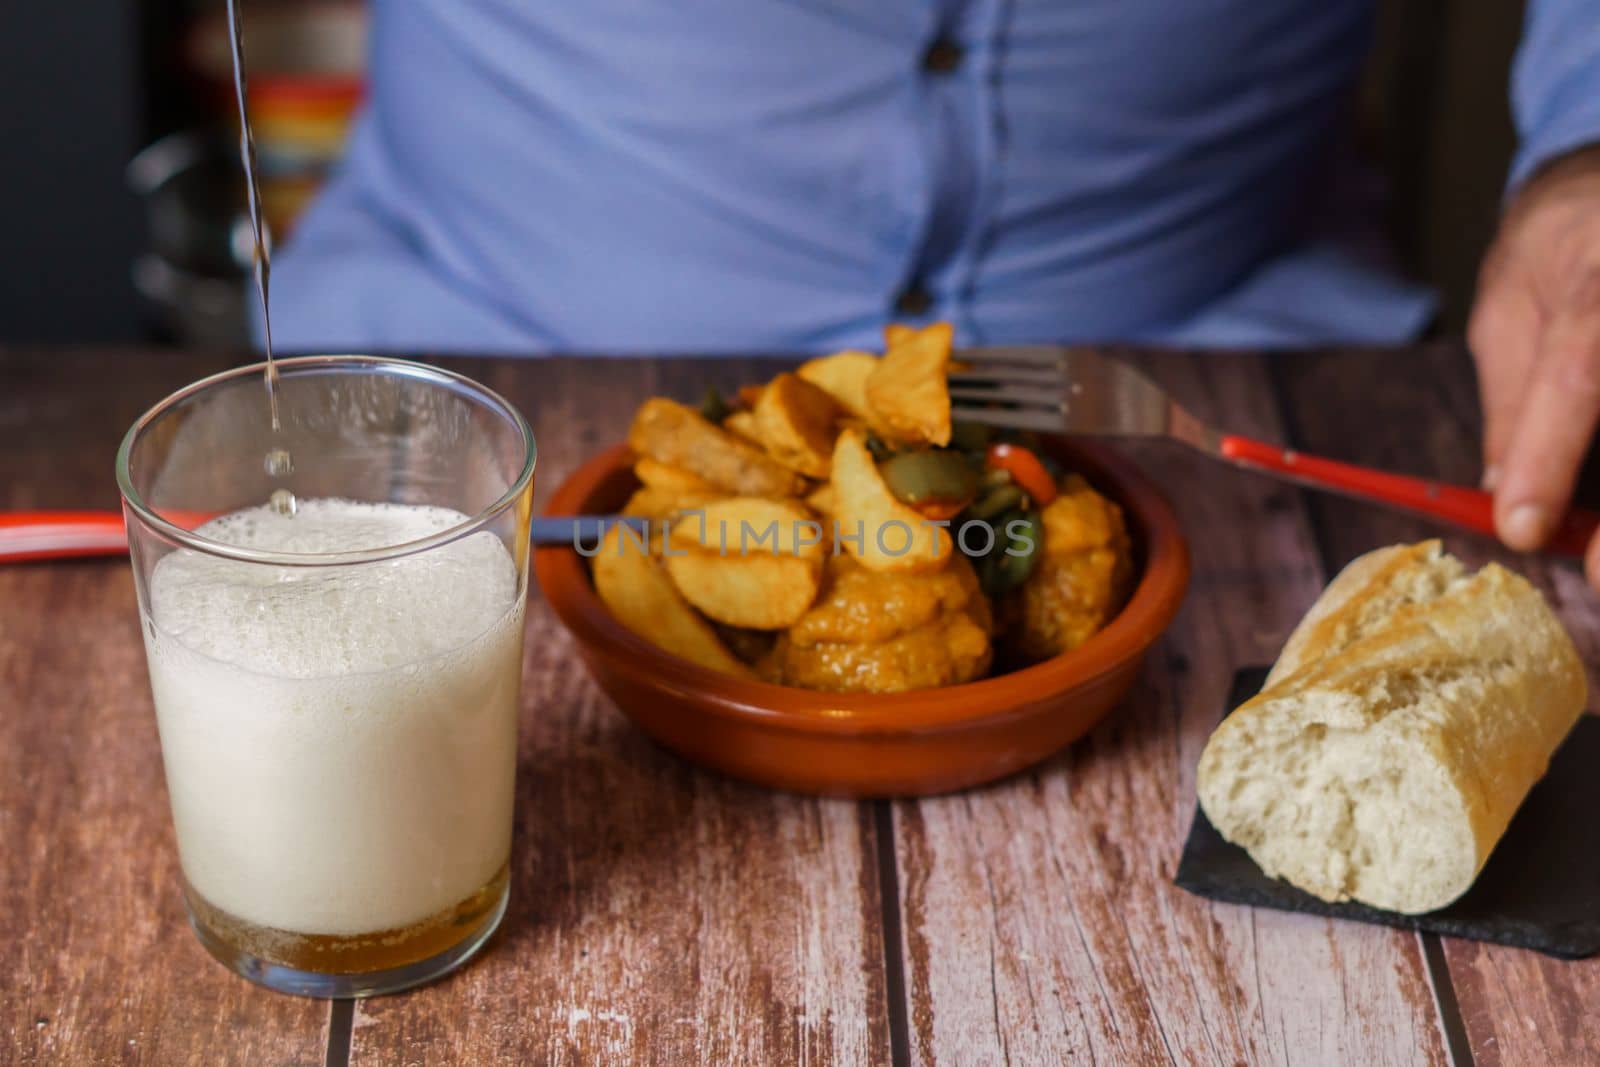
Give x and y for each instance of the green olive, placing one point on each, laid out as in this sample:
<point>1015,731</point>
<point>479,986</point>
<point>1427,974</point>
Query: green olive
<point>994,478</point>
<point>1016,552</point>
<point>712,407</point>
<point>988,569</point>
<point>969,436</point>
<point>1002,497</point>
<point>918,477</point>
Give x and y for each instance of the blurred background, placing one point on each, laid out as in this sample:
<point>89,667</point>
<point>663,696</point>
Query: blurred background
<point>123,212</point>
<point>121,200</point>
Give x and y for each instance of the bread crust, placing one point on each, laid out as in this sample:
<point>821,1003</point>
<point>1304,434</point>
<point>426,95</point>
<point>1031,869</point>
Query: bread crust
<point>1460,687</point>
<point>1367,584</point>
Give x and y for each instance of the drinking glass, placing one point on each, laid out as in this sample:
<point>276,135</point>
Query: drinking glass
<point>336,681</point>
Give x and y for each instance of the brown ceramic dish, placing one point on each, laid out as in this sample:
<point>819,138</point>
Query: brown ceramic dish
<point>905,744</point>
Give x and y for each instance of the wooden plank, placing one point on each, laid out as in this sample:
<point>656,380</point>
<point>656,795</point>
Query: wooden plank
<point>1041,924</point>
<point>1418,413</point>
<point>658,914</point>
<point>101,966</point>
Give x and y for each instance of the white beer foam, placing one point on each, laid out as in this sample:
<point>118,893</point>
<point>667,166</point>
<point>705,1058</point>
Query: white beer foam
<point>307,622</point>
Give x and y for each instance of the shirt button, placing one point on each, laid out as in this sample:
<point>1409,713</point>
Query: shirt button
<point>942,56</point>
<point>914,301</point>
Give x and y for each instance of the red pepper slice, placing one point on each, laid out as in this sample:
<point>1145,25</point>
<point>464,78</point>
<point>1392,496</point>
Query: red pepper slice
<point>1025,469</point>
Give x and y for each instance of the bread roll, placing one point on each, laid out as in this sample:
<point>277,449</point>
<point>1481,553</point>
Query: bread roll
<point>1409,714</point>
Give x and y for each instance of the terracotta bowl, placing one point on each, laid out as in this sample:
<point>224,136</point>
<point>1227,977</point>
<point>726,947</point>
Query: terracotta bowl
<point>905,744</point>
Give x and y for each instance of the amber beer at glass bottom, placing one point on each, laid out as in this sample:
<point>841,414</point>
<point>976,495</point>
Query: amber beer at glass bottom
<point>354,954</point>
<point>336,684</point>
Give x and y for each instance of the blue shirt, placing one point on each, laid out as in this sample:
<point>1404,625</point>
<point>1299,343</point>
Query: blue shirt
<point>776,175</point>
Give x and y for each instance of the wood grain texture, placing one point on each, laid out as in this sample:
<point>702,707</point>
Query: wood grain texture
<point>1041,924</point>
<point>1517,1006</point>
<point>664,915</point>
<point>63,414</point>
<point>99,966</point>
<point>658,914</point>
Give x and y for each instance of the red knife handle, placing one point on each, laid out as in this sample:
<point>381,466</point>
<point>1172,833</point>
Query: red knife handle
<point>1471,508</point>
<point>30,535</point>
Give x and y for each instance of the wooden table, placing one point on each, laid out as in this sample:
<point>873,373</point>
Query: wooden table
<point>664,915</point>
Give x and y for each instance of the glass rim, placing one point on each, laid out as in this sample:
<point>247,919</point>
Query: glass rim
<point>134,502</point>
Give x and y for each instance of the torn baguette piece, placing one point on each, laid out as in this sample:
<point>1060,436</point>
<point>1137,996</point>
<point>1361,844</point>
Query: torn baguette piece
<point>1407,718</point>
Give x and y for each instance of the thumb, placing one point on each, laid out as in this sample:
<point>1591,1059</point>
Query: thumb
<point>1552,429</point>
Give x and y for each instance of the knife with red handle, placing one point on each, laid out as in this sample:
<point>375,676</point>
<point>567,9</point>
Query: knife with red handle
<point>39,535</point>
<point>1472,508</point>
<point>32,535</point>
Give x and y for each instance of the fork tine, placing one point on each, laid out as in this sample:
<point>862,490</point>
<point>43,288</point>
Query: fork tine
<point>1010,418</point>
<point>1038,355</point>
<point>1008,375</point>
<point>1005,392</point>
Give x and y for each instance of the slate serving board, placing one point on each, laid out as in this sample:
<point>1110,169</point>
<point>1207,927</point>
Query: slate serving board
<point>1539,890</point>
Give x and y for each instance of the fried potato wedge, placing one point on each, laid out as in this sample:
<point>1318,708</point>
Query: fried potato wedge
<point>670,433</point>
<point>635,587</point>
<point>820,499</point>
<point>797,422</point>
<point>747,562</point>
<point>655,503</point>
<point>750,526</point>
<point>881,532</point>
<point>742,424</point>
<point>657,475</point>
<point>908,393</point>
<point>842,376</point>
<point>750,592</point>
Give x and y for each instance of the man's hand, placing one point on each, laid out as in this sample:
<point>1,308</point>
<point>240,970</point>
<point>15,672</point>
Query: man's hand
<point>1535,334</point>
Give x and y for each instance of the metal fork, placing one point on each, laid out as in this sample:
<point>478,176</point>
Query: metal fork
<point>1054,389</point>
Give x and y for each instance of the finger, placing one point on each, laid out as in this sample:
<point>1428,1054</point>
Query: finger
<point>1504,336</point>
<point>1553,429</point>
